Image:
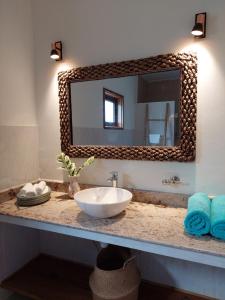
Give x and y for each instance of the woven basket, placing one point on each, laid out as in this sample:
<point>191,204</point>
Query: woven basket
<point>31,201</point>
<point>119,284</point>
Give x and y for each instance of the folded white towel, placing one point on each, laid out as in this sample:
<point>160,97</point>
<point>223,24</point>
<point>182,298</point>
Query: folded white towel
<point>46,190</point>
<point>27,187</point>
<point>31,192</point>
<point>40,187</point>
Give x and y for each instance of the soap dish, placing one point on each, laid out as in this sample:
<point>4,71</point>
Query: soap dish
<point>31,201</point>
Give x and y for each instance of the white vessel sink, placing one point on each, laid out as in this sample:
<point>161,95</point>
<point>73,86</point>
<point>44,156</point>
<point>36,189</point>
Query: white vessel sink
<point>103,202</point>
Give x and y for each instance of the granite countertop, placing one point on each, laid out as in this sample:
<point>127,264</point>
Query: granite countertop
<point>141,221</point>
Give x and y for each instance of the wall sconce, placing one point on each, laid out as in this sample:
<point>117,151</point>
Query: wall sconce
<point>199,29</point>
<point>56,52</point>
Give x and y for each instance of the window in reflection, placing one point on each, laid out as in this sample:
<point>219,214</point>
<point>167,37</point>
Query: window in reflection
<point>109,112</point>
<point>113,110</point>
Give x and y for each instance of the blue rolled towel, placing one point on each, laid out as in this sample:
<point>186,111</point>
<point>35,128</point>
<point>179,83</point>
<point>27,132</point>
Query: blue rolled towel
<point>218,217</point>
<point>197,220</point>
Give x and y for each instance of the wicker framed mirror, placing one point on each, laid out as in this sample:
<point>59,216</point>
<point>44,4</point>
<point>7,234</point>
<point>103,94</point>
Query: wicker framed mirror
<point>184,148</point>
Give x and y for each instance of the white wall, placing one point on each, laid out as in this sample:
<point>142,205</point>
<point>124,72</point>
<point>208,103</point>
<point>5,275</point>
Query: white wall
<point>18,124</point>
<point>98,32</point>
<point>91,35</point>
<point>18,245</point>
<point>102,31</point>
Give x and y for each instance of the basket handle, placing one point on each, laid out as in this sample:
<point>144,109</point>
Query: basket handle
<point>128,261</point>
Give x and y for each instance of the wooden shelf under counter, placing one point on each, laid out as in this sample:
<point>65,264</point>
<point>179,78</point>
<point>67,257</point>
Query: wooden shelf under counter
<point>50,278</point>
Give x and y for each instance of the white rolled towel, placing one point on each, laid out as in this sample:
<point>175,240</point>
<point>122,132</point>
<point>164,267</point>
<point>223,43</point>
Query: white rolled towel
<point>46,190</point>
<point>28,191</point>
<point>40,187</point>
<point>26,188</point>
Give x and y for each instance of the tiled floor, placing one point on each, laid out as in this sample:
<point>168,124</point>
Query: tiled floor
<point>5,295</point>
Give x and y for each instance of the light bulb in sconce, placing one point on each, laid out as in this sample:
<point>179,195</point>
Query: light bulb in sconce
<point>199,29</point>
<point>54,55</point>
<point>56,52</point>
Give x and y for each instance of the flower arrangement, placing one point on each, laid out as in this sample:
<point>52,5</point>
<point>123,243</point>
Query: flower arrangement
<point>71,167</point>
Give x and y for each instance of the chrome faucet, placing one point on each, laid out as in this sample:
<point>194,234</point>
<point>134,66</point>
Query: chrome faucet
<point>114,178</point>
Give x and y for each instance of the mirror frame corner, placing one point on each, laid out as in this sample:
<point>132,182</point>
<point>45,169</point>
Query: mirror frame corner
<point>184,152</point>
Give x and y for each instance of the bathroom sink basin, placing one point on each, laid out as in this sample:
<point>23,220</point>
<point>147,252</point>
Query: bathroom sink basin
<point>103,202</point>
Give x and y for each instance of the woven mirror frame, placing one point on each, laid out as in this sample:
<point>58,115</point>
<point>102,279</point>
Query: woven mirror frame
<point>184,152</point>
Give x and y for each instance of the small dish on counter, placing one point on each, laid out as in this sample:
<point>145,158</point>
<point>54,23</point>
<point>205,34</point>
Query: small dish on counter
<point>103,202</point>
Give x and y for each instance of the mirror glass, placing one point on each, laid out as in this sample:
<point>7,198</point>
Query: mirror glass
<point>140,110</point>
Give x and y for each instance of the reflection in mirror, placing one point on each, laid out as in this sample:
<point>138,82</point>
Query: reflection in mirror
<point>112,110</point>
<point>144,107</point>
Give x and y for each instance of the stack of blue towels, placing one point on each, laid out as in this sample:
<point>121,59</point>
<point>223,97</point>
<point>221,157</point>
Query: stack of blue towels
<point>205,216</point>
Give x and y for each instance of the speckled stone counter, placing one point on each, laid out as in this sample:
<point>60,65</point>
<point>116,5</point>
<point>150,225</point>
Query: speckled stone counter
<point>143,196</point>
<point>141,222</point>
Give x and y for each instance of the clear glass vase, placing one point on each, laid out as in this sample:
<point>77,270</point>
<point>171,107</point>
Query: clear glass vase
<point>73,186</point>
